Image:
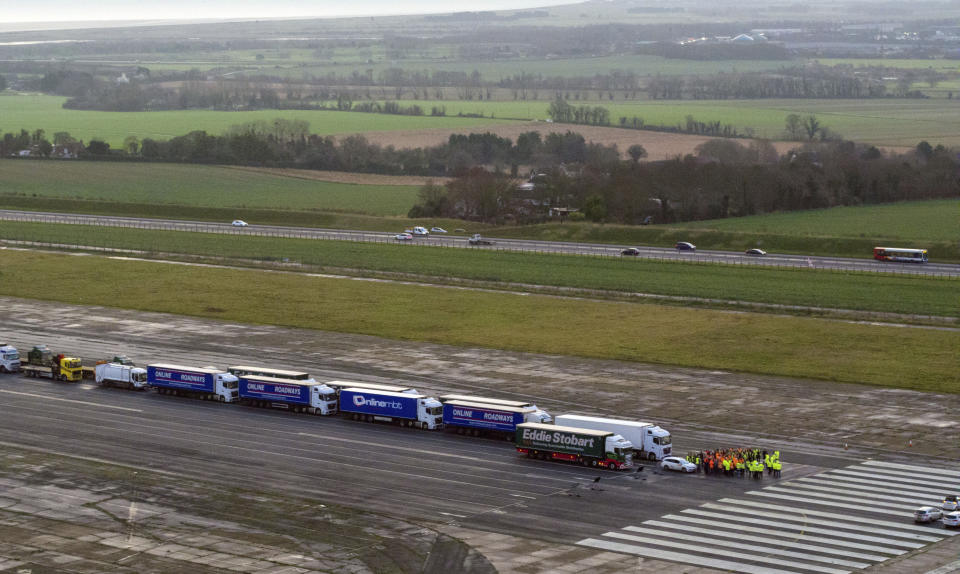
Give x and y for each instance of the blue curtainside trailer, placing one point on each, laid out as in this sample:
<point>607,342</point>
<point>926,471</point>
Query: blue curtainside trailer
<point>403,408</point>
<point>467,417</point>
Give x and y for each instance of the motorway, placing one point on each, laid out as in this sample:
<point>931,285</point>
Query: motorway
<point>520,245</point>
<point>813,519</point>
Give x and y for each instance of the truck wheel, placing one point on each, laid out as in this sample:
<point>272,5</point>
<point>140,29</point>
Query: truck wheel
<point>593,463</point>
<point>612,466</point>
<point>651,456</point>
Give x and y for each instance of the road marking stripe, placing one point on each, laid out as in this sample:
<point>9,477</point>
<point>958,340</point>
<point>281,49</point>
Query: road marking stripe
<point>791,535</point>
<point>826,503</point>
<point>803,528</point>
<point>955,474</point>
<point>892,478</point>
<point>871,485</point>
<point>897,474</point>
<point>764,550</point>
<point>727,553</point>
<point>873,521</point>
<point>857,495</point>
<point>798,516</point>
<point>828,497</point>
<point>46,398</point>
<point>739,535</point>
<point>680,557</point>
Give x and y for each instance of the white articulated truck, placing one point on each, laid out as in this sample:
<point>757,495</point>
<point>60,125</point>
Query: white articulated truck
<point>117,375</point>
<point>649,440</point>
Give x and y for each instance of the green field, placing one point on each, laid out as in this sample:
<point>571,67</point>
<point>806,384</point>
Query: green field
<point>892,122</point>
<point>784,346</point>
<point>31,112</point>
<point>195,186</point>
<point>859,291</point>
<point>914,222</point>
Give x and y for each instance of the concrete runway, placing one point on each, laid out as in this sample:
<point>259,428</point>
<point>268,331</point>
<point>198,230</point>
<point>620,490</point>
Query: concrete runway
<point>445,479</point>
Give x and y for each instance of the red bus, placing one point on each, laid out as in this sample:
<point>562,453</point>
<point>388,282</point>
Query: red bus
<point>900,254</point>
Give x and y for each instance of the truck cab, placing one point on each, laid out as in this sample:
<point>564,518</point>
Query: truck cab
<point>620,450</point>
<point>70,368</point>
<point>9,359</point>
<point>657,443</point>
<point>227,386</point>
<point>324,399</point>
<point>430,412</point>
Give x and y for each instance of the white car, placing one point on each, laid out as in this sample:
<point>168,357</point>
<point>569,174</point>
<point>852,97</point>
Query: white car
<point>239,223</point>
<point>756,252</point>
<point>677,463</point>
<point>950,502</point>
<point>927,514</point>
<point>437,230</point>
<point>421,231</point>
<point>403,237</point>
<point>951,519</point>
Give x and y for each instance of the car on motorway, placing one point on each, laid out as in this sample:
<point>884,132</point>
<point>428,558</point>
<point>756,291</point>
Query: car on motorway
<point>755,252</point>
<point>950,502</point>
<point>239,223</point>
<point>951,519</point>
<point>677,463</point>
<point>685,246</point>
<point>403,236</point>
<point>437,230</point>
<point>927,514</point>
<point>630,251</point>
<point>420,231</point>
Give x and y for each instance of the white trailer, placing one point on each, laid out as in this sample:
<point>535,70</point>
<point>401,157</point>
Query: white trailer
<point>649,440</point>
<point>117,375</point>
<point>9,359</point>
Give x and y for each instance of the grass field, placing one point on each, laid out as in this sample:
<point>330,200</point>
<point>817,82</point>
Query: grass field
<point>196,186</point>
<point>913,221</point>
<point>843,351</point>
<point>31,112</point>
<point>893,122</point>
<point>859,291</point>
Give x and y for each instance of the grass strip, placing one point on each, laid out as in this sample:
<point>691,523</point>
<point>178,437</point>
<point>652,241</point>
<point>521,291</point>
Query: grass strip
<point>791,346</point>
<point>788,286</point>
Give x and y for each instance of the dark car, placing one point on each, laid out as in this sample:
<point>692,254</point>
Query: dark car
<point>632,251</point>
<point>685,246</point>
<point>756,251</point>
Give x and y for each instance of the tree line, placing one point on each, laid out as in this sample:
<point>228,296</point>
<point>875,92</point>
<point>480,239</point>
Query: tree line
<point>723,179</point>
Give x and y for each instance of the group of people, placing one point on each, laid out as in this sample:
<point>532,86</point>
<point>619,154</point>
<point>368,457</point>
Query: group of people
<point>737,462</point>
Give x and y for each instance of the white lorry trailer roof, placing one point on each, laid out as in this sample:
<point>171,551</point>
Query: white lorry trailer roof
<point>278,381</point>
<point>383,393</point>
<point>545,427</point>
<point>484,400</point>
<point>210,370</point>
<point>264,372</point>
<point>583,418</point>
<point>473,405</point>
<point>367,386</point>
